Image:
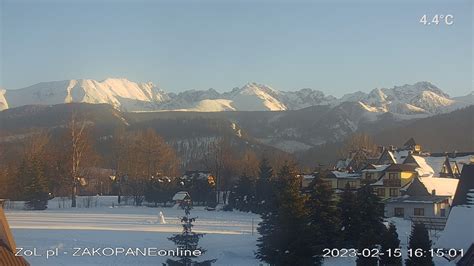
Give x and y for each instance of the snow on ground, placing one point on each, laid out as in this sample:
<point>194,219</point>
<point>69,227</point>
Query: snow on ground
<point>228,237</point>
<point>228,234</point>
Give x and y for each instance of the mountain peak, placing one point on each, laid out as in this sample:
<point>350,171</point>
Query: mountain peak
<point>126,95</point>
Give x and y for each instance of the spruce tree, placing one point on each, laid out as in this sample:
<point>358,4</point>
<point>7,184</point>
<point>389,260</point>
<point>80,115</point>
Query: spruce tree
<point>366,241</point>
<point>36,192</point>
<point>419,239</point>
<point>390,242</point>
<point>349,216</point>
<point>324,223</point>
<point>370,223</point>
<point>245,193</point>
<point>285,238</point>
<point>263,193</point>
<point>187,240</point>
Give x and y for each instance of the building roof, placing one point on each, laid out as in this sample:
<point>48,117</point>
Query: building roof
<point>7,243</point>
<point>465,186</point>
<point>397,156</point>
<point>459,230</point>
<point>181,195</point>
<point>429,199</point>
<point>7,257</point>
<point>375,167</point>
<point>345,175</point>
<point>441,186</point>
<point>433,165</point>
<point>416,188</point>
<point>410,143</point>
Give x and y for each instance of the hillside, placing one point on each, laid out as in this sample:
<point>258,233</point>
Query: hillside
<point>313,134</point>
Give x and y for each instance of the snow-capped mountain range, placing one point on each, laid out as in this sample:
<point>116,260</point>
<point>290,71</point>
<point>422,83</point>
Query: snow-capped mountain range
<point>422,98</point>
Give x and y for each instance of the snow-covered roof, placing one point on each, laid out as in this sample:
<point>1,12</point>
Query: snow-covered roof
<point>340,174</point>
<point>442,186</point>
<point>398,156</point>
<point>425,168</point>
<point>342,164</point>
<point>433,165</point>
<point>376,168</point>
<point>307,177</point>
<point>181,195</point>
<point>429,199</point>
<point>459,230</point>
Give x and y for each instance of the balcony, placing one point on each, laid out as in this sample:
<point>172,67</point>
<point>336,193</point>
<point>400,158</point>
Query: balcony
<point>392,183</point>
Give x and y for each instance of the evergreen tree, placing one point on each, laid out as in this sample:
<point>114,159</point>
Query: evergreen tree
<point>366,241</point>
<point>263,186</point>
<point>187,240</point>
<point>370,223</point>
<point>244,193</point>
<point>325,227</point>
<point>152,191</point>
<point>391,242</point>
<point>36,192</point>
<point>284,228</point>
<point>349,216</point>
<point>419,239</point>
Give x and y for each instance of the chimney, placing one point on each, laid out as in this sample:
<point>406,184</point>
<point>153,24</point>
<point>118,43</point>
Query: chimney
<point>433,192</point>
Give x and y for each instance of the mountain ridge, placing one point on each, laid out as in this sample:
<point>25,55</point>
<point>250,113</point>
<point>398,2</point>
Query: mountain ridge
<point>419,99</point>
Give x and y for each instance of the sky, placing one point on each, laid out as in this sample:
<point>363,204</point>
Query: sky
<point>334,46</point>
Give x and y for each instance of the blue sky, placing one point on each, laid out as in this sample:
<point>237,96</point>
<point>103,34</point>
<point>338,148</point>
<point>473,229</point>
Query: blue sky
<point>335,46</point>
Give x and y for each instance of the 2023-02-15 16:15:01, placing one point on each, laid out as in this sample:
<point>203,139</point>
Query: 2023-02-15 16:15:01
<point>397,252</point>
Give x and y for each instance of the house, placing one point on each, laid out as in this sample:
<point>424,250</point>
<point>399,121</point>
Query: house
<point>338,180</point>
<point>357,160</point>
<point>7,243</point>
<point>417,202</point>
<point>181,196</point>
<point>433,166</point>
<point>372,172</point>
<point>306,179</point>
<point>199,175</point>
<point>395,177</point>
<point>392,155</point>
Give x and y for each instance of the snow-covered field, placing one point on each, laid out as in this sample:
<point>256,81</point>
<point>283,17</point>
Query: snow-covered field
<point>74,233</point>
<point>228,236</point>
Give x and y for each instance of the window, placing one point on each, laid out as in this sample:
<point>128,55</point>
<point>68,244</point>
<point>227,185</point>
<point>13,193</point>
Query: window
<point>381,192</point>
<point>369,176</point>
<point>393,176</point>
<point>393,192</point>
<point>419,212</point>
<point>352,184</point>
<point>443,213</point>
<point>399,212</point>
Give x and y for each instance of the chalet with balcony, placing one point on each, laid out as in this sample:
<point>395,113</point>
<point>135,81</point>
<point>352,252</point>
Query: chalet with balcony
<point>372,172</point>
<point>394,177</point>
<point>339,180</point>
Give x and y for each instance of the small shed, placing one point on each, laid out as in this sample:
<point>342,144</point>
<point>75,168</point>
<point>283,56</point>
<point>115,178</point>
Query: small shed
<point>181,196</point>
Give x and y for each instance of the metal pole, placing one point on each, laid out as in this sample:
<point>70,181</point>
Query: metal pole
<point>252,226</point>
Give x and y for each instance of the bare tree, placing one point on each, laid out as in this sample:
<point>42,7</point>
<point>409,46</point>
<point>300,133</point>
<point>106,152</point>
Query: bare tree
<point>139,156</point>
<point>80,147</point>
